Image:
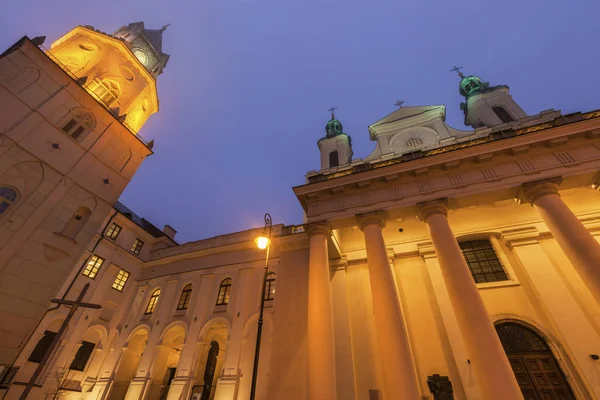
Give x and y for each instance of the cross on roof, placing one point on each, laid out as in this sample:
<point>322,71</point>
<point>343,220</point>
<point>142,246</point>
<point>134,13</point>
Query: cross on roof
<point>399,103</point>
<point>332,110</point>
<point>457,70</point>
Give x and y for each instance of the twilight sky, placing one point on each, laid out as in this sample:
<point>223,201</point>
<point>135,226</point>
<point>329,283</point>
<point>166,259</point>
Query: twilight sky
<point>245,95</point>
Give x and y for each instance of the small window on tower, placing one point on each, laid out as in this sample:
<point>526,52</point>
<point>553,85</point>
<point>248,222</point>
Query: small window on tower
<point>503,114</point>
<point>78,123</point>
<point>107,91</point>
<point>333,159</point>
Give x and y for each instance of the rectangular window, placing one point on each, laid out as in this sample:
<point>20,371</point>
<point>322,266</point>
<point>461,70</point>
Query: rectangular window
<point>83,356</point>
<point>113,231</point>
<point>42,347</point>
<point>93,266</point>
<point>137,246</point>
<point>120,280</point>
<point>482,260</point>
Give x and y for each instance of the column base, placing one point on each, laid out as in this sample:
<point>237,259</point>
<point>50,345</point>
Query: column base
<point>179,388</point>
<point>138,388</point>
<point>227,388</point>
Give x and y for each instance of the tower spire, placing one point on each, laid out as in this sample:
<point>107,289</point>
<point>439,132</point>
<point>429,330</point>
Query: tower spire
<point>457,70</point>
<point>332,110</point>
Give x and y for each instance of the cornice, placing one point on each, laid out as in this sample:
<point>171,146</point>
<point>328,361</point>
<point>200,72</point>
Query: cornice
<point>426,250</point>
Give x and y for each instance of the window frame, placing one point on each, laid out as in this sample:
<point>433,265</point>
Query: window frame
<point>121,280</point>
<point>224,293</point>
<point>135,249</point>
<point>270,286</point>
<point>36,349</point>
<point>10,203</point>
<point>505,110</point>
<point>84,351</point>
<point>477,257</point>
<point>184,299</point>
<point>91,271</point>
<point>110,232</point>
<point>77,124</point>
<point>152,302</point>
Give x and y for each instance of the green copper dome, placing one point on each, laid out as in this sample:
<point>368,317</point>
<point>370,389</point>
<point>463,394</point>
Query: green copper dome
<point>333,128</point>
<point>471,84</point>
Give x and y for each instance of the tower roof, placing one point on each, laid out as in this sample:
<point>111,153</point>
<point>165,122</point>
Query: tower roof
<point>146,41</point>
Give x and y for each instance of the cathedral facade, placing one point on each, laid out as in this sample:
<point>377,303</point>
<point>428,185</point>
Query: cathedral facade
<point>448,264</point>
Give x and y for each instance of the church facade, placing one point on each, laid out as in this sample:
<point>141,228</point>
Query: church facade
<point>448,264</point>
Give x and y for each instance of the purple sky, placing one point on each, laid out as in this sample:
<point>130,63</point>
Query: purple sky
<point>245,95</point>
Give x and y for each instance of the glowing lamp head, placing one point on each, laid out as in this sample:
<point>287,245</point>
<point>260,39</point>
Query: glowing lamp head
<point>262,242</point>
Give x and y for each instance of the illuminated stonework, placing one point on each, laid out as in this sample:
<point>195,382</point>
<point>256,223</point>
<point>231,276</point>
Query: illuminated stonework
<point>115,74</point>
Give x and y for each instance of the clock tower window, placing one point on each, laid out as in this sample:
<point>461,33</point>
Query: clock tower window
<point>106,90</point>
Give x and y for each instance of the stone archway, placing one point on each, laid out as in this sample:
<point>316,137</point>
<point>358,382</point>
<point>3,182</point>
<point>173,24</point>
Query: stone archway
<point>537,371</point>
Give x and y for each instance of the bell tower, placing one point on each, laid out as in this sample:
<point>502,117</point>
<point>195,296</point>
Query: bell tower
<point>486,105</point>
<point>69,145</point>
<point>336,146</point>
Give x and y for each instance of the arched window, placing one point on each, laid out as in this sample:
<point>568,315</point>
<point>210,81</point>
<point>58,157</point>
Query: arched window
<point>76,223</point>
<point>8,197</point>
<point>42,347</point>
<point>107,90</point>
<point>79,123</point>
<point>483,261</point>
<point>184,300</point>
<point>333,159</point>
<point>269,293</point>
<point>82,356</point>
<point>503,114</point>
<point>152,303</point>
<point>224,292</point>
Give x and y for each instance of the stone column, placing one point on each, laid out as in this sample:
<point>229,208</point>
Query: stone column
<point>400,380</point>
<point>321,357</point>
<point>492,370</point>
<point>580,247</point>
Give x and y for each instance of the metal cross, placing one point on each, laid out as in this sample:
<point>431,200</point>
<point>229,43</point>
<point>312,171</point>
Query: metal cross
<point>332,109</point>
<point>399,103</point>
<point>74,306</point>
<point>457,70</point>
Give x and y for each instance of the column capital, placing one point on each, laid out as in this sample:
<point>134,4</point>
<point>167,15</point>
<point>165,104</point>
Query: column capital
<point>315,228</point>
<point>429,208</point>
<point>531,191</point>
<point>426,250</point>
<point>375,217</point>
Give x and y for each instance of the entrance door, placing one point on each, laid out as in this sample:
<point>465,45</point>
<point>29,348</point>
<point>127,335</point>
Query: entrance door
<point>164,392</point>
<point>537,372</point>
<point>209,370</point>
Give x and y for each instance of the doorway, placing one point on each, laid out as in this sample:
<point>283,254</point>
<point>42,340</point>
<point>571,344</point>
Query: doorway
<point>535,367</point>
<point>209,371</point>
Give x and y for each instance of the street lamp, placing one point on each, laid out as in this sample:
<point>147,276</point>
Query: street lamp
<point>263,242</point>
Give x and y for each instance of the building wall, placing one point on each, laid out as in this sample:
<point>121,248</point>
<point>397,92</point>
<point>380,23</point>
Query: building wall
<point>57,177</point>
<point>555,303</point>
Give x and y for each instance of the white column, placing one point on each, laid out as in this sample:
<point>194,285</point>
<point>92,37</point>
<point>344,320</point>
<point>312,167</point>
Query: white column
<point>580,247</point>
<point>490,364</point>
<point>400,379</point>
<point>321,357</point>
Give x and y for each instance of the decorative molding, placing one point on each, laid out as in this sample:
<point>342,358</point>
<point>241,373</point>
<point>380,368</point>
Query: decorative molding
<point>520,237</point>
<point>375,217</point>
<point>426,250</point>
<point>532,191</point>
<point>316,228</point>
<point>429,208</point>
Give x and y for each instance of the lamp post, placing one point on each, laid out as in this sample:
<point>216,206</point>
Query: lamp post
<point>263,242</point>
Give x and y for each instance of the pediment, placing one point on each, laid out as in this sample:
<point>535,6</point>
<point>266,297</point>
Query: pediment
<point>406,117</point>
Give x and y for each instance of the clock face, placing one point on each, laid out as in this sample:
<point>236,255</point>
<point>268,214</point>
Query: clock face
<point>141,55</point>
